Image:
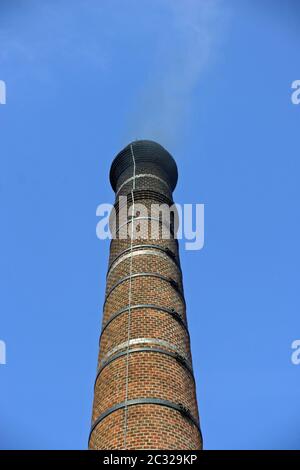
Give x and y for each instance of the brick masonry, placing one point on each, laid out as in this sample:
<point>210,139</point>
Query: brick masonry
<point>144,394</point>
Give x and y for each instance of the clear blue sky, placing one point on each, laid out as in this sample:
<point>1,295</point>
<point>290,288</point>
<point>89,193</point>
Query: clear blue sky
<point>213,84</point>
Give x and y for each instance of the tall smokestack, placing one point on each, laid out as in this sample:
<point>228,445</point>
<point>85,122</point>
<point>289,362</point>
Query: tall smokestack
<point>145,394</point>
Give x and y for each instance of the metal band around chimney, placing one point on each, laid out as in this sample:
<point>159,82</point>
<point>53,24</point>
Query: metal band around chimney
<point>171,281</point>
<point>135,341</point>
<point>148,401</point>
<point>144,252</point>
<point>149,218</point>
<point>140,195</point>
<point>170,311</point>
<point>165,250</point>
<point>178,357</point>
<point>143,175</point>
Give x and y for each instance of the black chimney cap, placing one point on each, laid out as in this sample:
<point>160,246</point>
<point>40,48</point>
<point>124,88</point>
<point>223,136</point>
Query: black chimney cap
<point>144,151</point>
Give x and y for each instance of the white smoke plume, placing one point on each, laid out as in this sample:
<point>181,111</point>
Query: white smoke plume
<point>184,40</point>
<point>188,45</point>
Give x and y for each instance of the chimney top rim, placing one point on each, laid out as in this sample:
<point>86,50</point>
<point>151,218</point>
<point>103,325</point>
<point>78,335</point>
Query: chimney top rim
<point>144,151</point>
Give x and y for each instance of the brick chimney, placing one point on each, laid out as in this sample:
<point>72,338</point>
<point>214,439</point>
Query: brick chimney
<point>144,394</point>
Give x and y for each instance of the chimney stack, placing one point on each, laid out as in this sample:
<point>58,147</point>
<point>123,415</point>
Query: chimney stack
<point>145,395</point>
